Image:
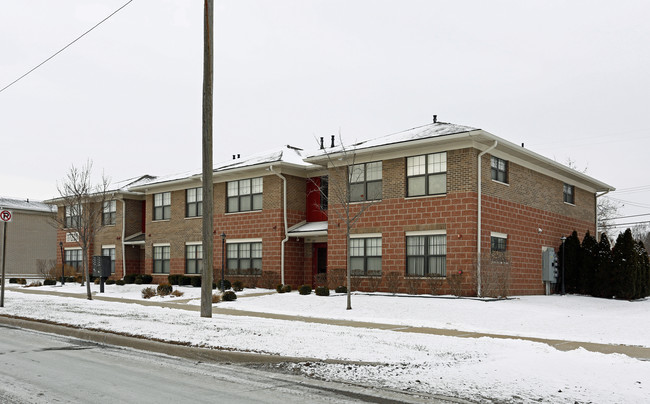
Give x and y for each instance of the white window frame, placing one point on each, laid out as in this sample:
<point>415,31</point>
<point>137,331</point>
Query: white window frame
<point>427,255</point>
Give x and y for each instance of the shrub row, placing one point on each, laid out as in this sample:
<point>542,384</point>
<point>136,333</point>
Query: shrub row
<point>138,279</point>
<point>595,268</point>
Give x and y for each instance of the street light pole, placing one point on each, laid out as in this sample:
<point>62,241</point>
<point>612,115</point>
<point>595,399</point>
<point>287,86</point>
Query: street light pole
<point>62,264</point>
<point>563,264</point>
<point>223,254</point>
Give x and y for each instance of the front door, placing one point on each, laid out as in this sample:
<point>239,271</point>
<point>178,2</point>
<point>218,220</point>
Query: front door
<point>319,263</point>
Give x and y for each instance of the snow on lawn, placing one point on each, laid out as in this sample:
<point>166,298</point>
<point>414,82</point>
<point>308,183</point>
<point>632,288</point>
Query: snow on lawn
<point>483,369</point>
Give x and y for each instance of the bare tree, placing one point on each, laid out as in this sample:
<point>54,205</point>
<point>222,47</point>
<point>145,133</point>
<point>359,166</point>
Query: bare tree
<point>343,202</point>
<point>83,205</point>
<point>606,208</point>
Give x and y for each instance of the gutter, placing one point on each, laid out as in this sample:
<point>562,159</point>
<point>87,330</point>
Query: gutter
<point>123,235</point>
<point>596,208</point>
<point>478,230</point>
<point>286,228</point>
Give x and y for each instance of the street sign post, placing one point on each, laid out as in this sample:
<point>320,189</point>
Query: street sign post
<point>5,216</point>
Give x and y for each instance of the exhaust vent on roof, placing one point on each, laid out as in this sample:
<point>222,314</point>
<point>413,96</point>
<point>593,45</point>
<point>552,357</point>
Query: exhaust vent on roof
<point>435,118</point>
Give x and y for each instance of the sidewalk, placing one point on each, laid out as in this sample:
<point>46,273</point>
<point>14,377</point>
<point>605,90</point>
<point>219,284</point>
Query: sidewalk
<point>638,352</point>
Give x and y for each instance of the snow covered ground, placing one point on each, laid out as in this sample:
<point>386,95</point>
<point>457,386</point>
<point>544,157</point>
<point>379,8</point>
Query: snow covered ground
<point>478,369</point>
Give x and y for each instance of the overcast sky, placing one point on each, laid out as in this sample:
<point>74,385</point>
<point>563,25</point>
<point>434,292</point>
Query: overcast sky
<point>571,80</point>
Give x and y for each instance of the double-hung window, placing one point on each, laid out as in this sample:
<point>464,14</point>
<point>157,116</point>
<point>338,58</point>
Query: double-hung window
<point>193,258</point>
<point>365,182</point>
<point>569,194</point>
<point>499,169</point>
<point>162,206</point>
<point>426,174</point>
<point>109,251</point>
<point>324,192</point>
<point>73,216</point>
<point>161,259</point>
<point>244,258</point>
<point>194,202</point>
<point>245,195</point>
<point>426,255</point>
<point>109,212</point>
<point>74,258</point>
<point>365,255</point>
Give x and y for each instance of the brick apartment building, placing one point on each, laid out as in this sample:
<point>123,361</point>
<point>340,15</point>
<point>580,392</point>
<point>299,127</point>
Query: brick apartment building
<point>421,196</point>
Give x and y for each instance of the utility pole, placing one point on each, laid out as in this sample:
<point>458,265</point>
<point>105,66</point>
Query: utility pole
<point>208,225</point>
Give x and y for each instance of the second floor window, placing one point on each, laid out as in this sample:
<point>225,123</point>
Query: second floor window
<point>499,169</point>
<point>162,206</point>
<point>569,194</point>
<point>245,195</point>
<point>161,259</point>
<point>324,192</point>
<point>73,216</point>
<point>426,175</point>
<point>194,202</point>
<point>109,213</point>
<point>365,182</point>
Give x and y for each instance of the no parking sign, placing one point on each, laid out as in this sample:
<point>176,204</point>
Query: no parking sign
<point>5,216</point>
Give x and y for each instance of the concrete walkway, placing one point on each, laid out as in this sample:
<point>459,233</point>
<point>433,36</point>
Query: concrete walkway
<point>632,351</point>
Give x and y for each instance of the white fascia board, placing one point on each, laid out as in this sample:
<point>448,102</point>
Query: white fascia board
<point>243,240</point>
<point>425,233</point>
<point>366,235</point>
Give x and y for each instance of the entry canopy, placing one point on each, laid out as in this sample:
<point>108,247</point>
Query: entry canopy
<point>311,229</point>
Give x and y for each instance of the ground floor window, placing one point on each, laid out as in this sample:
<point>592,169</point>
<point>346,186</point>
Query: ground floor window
<point>161,259</point>
<point>193,258</point>
<point>426,255</point>
<point>110,252</point>
<point>74,258</point>
<point>244,258</point>
<point>365,256</point>
<point>498,243</point>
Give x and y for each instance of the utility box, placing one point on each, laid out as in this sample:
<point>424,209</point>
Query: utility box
<point>101,266</point>
<point>549,266</point>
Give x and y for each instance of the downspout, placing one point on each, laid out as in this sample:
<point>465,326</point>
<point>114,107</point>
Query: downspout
<point>123,230</point>
<point>596,207</point>
<point>286,227</point>
<point>478,230</point>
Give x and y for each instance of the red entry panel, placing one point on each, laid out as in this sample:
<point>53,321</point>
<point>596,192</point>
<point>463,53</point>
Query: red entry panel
<point>315,188</point>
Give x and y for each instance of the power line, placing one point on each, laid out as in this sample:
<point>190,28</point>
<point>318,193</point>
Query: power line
<point>625,224</point>
<point>65,47</point>
<point>630,216</point>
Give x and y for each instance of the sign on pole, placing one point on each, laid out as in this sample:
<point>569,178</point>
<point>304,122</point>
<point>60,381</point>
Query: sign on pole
<point>5,216</point>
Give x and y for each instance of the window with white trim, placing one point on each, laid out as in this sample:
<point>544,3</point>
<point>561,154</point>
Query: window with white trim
<point>162,206</point>
<point>193,258</point>
<point>160,259</point>
<point>110,252</point>
<point>109,213</point>
<point>498,243</point>
<point>569,194</point>
<point>499,169</point>
<point>426,255</point>
<point>74,258</point>
<point>194,202</point>
<point>365,182</point>
<point>365,256</point>
<point>245,195</point>
<point>426,174</point>
<point>73,216</point>
<point>244,258</point>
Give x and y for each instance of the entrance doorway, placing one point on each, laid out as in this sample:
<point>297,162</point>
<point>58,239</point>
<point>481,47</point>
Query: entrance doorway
<point>319,263</point>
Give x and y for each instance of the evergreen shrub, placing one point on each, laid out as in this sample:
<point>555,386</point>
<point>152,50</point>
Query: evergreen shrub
<point>196,281</point>
<point>341,289</point>
<point>164,289</point>
<point>304,290</point>
<point>322,291</point>
<point>129,278</point>
<point>119,282</point>
<point>237,286</point>
<point>229,296</point>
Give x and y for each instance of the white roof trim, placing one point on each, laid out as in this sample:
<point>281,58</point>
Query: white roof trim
<point>425,232</point>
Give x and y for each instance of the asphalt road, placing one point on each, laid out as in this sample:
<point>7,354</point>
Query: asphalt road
<point>37,367</point>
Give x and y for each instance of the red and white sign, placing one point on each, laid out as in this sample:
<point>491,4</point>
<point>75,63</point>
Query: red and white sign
<point>5,216</point>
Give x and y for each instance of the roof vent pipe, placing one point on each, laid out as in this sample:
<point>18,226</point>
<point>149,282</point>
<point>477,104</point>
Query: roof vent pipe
<point>332,141</point>
<point>322,144</point>
<point>435,118</point>
<point>238,155</point>
<point>233,157</point>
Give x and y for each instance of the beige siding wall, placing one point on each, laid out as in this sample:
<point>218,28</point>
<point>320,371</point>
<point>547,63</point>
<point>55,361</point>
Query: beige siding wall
<point>30,237</point>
